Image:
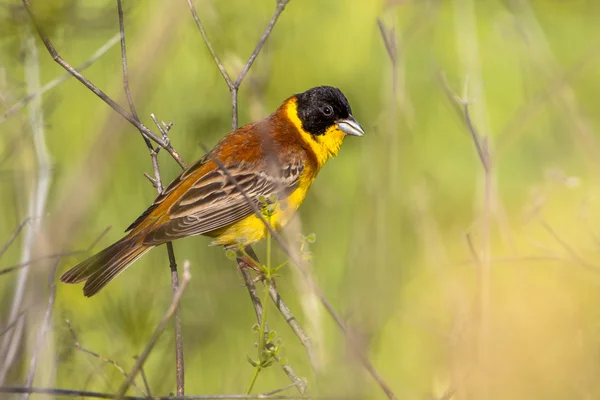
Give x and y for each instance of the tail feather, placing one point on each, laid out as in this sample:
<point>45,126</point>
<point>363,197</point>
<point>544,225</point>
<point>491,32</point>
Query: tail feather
<point>103,267</point>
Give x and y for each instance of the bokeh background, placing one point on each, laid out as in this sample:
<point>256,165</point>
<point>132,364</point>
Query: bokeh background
<point>489,291</point>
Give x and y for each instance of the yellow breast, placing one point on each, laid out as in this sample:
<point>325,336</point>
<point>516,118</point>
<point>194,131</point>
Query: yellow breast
<point>251,229</point>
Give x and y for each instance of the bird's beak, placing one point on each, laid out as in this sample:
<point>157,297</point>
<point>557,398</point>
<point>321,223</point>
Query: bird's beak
<point>350,127</point>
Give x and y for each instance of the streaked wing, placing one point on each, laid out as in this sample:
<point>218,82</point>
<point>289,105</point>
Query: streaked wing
<point>214,201</point>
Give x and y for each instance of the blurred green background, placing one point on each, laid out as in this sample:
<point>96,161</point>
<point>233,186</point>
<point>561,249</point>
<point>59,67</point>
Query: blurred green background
<point>392,213</point>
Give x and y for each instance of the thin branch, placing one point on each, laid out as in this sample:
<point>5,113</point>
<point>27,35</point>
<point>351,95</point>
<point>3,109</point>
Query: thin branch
<point>87,83</point>
<point>272,392</point>
<point>44,328</point>
<point>13,323</point>
<point>389,40</point>
<point>212,52</point>
<point>51,256</point>
<point>293,323</point>
<point>463,104</point>
<point>145,380</point>
<point>234,86</point>
<point>126,73</point>
<point>179,364</point>
<point>102,358</point>
<point>280,7</point>
<point>576,257</point>
<point>57,81</point>
<point>98,395</point>
<point>472,249</point>
<point>14,236</point>
<point>157,332</point>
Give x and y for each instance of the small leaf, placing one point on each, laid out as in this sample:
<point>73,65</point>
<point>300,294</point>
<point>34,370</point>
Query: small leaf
<point>251,361</point>
<point>230,254</point>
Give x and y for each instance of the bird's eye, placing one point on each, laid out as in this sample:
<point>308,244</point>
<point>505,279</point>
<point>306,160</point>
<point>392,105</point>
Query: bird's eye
<point>327,110</point>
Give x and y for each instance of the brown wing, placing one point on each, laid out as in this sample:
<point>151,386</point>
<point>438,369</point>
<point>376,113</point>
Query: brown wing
<point>139,222</point>
<point>214,202</point>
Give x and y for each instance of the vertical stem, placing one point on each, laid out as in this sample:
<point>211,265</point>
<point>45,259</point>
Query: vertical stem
<point>234,108</point>
<point>177,321</point>
<point>37,202</point>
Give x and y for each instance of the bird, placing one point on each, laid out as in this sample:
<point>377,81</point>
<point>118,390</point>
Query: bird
<point>274,160</point>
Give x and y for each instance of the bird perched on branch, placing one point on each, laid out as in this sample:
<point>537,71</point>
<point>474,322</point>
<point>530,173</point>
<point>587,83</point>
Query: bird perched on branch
<point>279,157</point>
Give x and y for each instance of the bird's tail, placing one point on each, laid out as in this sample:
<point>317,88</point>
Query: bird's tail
<point>101,268</point>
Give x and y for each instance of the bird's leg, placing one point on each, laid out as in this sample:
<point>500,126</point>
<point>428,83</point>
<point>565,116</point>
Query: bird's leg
<point>248,259</point>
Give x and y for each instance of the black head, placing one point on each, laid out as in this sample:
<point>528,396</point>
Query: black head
<point>321,107</point>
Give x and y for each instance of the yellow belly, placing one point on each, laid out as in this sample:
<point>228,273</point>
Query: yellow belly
<point>251,229</point>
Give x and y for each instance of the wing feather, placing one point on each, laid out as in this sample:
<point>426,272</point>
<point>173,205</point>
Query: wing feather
<point>214,201</point>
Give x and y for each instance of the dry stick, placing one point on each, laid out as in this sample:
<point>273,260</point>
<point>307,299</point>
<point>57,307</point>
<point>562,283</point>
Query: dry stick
<point>145,380</point>
<point>575,257</point>
<point>57,81</point>
<point>47,321</point>
<point>157,332</point>
<point>179,365</point>
<point>14,236</point>
<point>162,142</point>
<point>105,359</point>
<point>366,362</point>
<point>98,395</point>
<point>50,256</point>
<point>293,323</point>
<point>15,322</point>
<point>234,86</point>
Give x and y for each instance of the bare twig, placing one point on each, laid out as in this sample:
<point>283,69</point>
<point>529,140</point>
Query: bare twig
<point>97,395</point>
<point>463,104</point>
<point>145,380</point>
<point>209,46</point>
<point>126,73</point>
<point>272,392</point>
<point>289,317</point>
<point>389,40</point>
<point>572,253</point>
<point>12,324</point>
<point>157,332</point>
<point>57,81</point>
<point>102,358</point>
<point>179,364</point>
<point>87,83</point>
<point>14,236</point>
<point>234,86</point>
<point>47,321</point>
